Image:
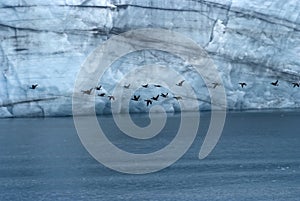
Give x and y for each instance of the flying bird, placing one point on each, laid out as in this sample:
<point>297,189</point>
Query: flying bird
<point>178,97</point>
<point>136,98</point>
<point>127,86</point>
<point>164,95</point>
<point>145,86</point>
<point>33,86</point>
<point>295,84</point>
<point>98,87</point>
<point>215,84</point>
<point>243,84</point>
<point>180,83</point>
<point>155,98</point>
<point>88,92</point>
<point>102,94</point>
<point>149,102</point>
<point>111,97</point>
<point>275,83</point>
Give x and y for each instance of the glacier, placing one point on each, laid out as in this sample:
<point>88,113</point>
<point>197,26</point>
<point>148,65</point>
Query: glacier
<point>46,42</point>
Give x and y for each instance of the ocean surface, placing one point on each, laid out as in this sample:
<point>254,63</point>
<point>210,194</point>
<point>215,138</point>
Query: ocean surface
<point>257,158</point>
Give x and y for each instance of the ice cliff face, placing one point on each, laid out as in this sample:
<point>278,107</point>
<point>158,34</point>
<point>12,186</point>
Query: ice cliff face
<point>46,42</point>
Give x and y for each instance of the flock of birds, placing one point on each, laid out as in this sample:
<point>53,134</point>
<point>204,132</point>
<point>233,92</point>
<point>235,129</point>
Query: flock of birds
<point>149,101</point>
<point>244,84</point>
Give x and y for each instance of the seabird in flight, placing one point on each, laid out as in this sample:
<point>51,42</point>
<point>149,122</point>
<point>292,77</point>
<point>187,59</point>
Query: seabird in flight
<point>136,98</point>
<point>215,84</point>
<point>180,83</point>
<point>33,86</point>
<point>295,84</point>
<point>164,95</point>
<point>178,97</point>
<point>111,97</point>
<point>275,83</point>
<point>243,84</point>
<point>98,87</point>
<point>127,86</point>
<point>155,98</point>
<point>149,102</point>
<point>102,94</point>
<point>88,92</point>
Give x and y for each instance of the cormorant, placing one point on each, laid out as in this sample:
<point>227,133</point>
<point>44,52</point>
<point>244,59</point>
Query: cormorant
<point>243,84</point>
<point>127,86</point>
<point>215,84</point>
<point>136,98</point>
<point>111,97</point>
<point>155,98</point>
<point>180,83</point>
<point>33,86</point>
<point>102,94</point>
<point>98,87</point>
<point>88,92</point>
<point>164,95</point>
<point>275,83</point>
<point>178,97</point>
<point>149,102</point>
<point>295,84</point>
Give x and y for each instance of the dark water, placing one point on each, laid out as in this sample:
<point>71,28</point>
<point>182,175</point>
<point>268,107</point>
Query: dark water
<point>257,158</point>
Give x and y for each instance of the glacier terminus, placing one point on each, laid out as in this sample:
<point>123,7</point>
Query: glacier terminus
<point>45,42</point>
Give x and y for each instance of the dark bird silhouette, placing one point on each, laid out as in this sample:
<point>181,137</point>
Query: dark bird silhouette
<point>180,83</point>
<point>145,86</point>
<point>111,97</point>
<point>178,97</point>
<point>33,86</point>
<point>102,94</point>
<point>98,87</point>
<point>157,85</point>
<point>295,84</point>
<point>243,84</point>
<point>215,84</point>
<point>164,95</point>
<point>275,83</point>
<point>136,98</point>
<point>88,92</point>
<point>149,102</point>
<point>155,98</point>
<point>127,86</point>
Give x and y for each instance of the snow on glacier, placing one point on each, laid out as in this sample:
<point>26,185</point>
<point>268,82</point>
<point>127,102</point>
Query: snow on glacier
<point>46,42</point>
